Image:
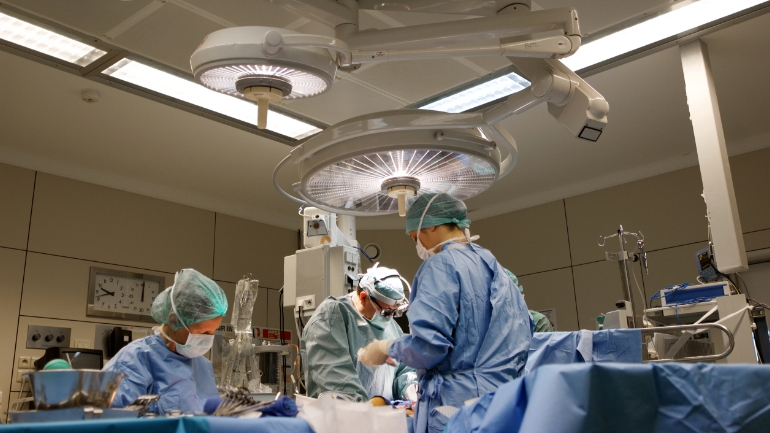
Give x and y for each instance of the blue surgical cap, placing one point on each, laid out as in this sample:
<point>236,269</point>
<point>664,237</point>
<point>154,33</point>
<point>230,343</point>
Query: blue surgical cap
<point>445,209</point>
<point>515,280</point>
<point>197,298</point>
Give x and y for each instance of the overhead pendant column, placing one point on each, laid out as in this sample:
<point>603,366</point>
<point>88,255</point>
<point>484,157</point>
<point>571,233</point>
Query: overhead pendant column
<point>714,164</point>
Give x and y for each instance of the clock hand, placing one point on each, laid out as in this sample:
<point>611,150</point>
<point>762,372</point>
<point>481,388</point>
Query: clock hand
<point>142,291</point>
<point>109,293</point>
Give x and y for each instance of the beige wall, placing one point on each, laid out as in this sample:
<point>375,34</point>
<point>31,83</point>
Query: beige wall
<point>397,250</point>
<point>553,249</point>
<point>52,230</point>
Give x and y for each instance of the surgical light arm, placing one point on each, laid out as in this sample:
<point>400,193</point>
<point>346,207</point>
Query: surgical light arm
<point>571,101</point>
<point>465,38</point>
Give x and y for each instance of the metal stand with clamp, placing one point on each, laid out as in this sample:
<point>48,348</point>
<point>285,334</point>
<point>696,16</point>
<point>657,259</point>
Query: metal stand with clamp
<point>622,257</point>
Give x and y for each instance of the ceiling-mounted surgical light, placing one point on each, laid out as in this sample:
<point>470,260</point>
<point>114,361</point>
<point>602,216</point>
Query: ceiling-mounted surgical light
<point>269,64</point>
<point>48,42</point>
<point>371,165</point>
<point>255,62</point>
<point>183,89</point>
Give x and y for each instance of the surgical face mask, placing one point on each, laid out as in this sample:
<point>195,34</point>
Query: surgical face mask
<point>425,253</point>
<point>196,344</point>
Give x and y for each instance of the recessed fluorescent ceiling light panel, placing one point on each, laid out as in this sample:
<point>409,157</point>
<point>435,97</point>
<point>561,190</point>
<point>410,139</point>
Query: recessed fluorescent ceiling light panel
<point>680,20</point>
<point>47,42</point>
<point>479,94</point>
<point>177,87</point>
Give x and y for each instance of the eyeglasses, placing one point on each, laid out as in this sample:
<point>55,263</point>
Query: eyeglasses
<point>401,307</point>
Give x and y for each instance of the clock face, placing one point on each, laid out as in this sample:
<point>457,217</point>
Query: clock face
<point>124,294</point>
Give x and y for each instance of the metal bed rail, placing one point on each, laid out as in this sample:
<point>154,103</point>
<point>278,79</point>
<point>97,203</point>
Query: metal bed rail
<point>695,328</point>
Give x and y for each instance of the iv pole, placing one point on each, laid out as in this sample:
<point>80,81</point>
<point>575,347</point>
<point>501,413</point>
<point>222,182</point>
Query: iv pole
<point>623,257</point>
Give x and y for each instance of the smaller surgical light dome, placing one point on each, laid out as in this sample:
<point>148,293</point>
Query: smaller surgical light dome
<point>234,61</point>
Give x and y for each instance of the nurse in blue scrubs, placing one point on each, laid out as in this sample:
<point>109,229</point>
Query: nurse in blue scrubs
<point>171,363</point>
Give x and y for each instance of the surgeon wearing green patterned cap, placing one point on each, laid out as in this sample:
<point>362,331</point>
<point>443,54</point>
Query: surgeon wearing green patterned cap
<point>542,324</point>
<point>170,363</point>
<point>342,325</point>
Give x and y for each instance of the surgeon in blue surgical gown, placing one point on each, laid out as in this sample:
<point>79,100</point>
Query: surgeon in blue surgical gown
<point>170,363</point>
<point>470,328</point>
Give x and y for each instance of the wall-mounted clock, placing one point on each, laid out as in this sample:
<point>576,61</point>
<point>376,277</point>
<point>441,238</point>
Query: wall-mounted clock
<point>122,295</point>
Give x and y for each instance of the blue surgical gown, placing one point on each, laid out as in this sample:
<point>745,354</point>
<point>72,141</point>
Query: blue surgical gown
<point>152,368</point>
<point>470,331</point>
<point>330,343</point>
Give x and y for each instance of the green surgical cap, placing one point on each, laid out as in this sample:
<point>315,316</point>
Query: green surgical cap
<point>515,280</point>
<point>197,298</point>
<point>387,282</point>
<point>445,209</point>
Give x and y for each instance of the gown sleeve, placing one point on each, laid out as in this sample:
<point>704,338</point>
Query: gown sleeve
<point>433,314</point>
<point>329,365</point>
<point>137,381</point>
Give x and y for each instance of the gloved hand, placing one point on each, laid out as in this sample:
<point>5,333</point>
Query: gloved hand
<point>411,393</point>
<point>376,353</point>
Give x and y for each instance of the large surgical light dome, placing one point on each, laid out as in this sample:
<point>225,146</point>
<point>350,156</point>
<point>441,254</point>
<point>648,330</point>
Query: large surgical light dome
<point>371,164</point>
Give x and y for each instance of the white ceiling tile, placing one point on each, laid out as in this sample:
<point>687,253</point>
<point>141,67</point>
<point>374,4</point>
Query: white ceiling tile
<point>598,14</point>
<point>315,28</point>
<point>136,138</point>
<point>491,63</point>
<point>418,18</point>
<point>170,35</point>
<point>366,21</point>
<point>345,100</point>
<point>648,122</point>
<point>247,12</point>
<point>93,17</point>
<point>739,62</point>
<point>418,79</point>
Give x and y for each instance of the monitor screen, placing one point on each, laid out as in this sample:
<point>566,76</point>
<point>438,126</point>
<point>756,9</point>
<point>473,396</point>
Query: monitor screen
<point>82,360</point>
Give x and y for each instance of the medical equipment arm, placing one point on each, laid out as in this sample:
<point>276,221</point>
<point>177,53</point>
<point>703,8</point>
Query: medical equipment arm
<point>571,100</point>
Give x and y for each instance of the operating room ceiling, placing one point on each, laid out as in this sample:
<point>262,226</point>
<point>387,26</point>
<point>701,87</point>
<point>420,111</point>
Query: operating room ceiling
<point>135,144</point>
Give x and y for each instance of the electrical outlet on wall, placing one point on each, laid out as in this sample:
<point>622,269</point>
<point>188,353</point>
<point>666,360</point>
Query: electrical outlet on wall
<point>21,372</point>
<point>306,302</point>
<point>84,344</point>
